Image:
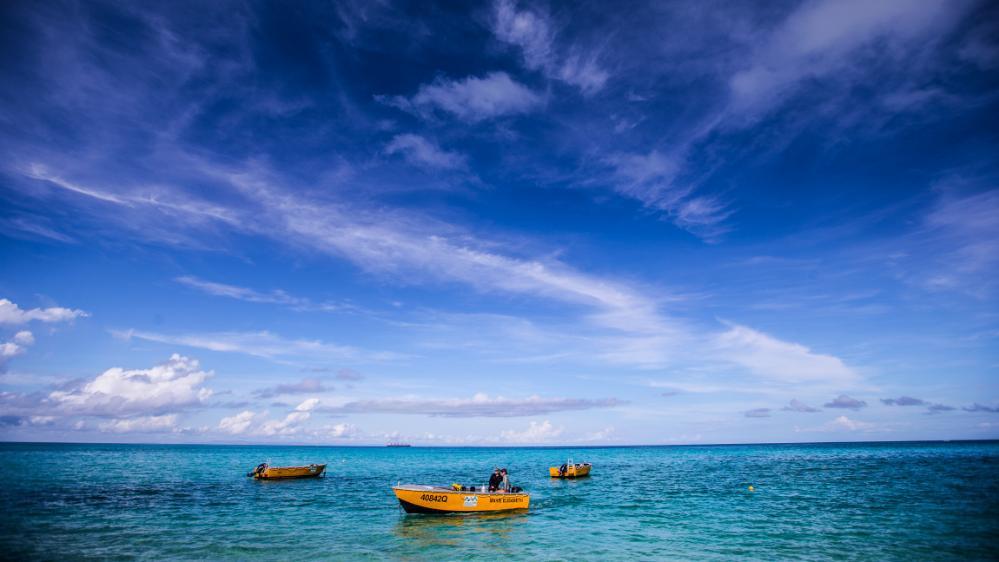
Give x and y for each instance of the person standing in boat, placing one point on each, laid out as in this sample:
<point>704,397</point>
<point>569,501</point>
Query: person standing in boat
<point>505,482</point>
<point>495,479</point>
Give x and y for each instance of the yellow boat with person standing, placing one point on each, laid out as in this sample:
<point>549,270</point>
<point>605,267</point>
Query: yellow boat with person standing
<point>570,470</point>
<point>415,498</point>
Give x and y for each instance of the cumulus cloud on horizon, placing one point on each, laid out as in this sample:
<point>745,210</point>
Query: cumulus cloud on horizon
<point>174,385</point>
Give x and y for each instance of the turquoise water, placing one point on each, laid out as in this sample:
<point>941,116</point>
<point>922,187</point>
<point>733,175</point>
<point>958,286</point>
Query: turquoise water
<point>915,501</point>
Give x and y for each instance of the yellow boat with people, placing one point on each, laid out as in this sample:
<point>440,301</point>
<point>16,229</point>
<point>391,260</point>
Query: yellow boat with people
<point>415,498</point>
<point>570,470</point>
<point>267,472</point>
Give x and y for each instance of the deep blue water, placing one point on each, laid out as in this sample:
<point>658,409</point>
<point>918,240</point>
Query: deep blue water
<point>891,501</point>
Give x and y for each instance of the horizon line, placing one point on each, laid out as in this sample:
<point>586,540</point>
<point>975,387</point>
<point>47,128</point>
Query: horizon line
<point>522,446</point>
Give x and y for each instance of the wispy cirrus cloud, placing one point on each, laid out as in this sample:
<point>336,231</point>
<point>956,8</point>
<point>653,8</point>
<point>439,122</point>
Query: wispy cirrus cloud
<point>653,179</point>
<point>471,99</point>
<point>821,38</point>
<point>961,236</point>
<point>276,296</point>
<point>776,359</point>
<point>422,152</point>
<point>531,31</point>
<point>402,246</point>
<point>262,344</point>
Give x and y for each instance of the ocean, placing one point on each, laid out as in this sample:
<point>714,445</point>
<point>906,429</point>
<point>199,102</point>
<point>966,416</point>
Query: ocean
<point>872,501</point>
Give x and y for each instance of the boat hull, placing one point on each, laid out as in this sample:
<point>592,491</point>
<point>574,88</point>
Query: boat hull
<point>289,472</point>
<point>572,471</point>
<point>430,499</point>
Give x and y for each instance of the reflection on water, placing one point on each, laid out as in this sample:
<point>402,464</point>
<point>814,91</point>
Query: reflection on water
<point>459,528</point>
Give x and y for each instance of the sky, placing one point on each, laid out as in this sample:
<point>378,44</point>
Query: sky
<point>499,223</point>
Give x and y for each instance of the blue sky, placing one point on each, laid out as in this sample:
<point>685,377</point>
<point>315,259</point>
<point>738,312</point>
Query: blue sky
<point>500,223</point>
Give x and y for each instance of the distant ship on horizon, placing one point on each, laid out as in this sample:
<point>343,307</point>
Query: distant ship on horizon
<point>398,445</point>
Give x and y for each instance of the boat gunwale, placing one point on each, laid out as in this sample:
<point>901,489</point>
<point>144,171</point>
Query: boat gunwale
<point>292,472</point>
<point>444,490</point>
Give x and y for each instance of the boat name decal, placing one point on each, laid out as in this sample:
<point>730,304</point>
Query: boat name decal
<point>434,498</point>
<point>471,501</point>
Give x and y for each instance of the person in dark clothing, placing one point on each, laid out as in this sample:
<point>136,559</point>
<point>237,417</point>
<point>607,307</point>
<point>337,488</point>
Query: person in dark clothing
<point>495,480</point>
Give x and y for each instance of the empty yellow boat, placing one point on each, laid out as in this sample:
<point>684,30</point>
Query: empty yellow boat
<point>266,472</point>
<point>434,499</point>
<point>570,470</point>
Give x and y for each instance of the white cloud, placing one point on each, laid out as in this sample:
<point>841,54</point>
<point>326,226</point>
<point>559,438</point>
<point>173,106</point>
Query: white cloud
<point>843,422</point>
<point>535,433</point>
<point>307,405</point>
<point>147,424</point>
<point>421,152</point>
<point>471,99</point>
<point>10,313</point>
<point>532,32</point>
<point>526,29</point>
<point>651,179</point>
<point>290,425</point>
<point>238,423</point>
<point>820,39</point>
<point>260,344</point>
<point>961,240</point>
<point>415,250</point>
<point>779,360</point>
<point>583,73</point>
<point>15,347</point>
<point>341,431</point>
<point>173,385</point>
<point>601,435</point>
<point>24,337</point>
<point>276,296</point>
<point>9,349</point>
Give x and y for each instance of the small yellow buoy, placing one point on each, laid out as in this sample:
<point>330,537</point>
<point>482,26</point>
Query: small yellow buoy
<point>751,489</point>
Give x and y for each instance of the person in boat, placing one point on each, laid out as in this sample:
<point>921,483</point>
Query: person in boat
<point>495,479</point>
<point>563,469</point>
<point>505,482</point>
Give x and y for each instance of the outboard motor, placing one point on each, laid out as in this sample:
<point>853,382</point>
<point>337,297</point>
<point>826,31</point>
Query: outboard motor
<point>260,468</point>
